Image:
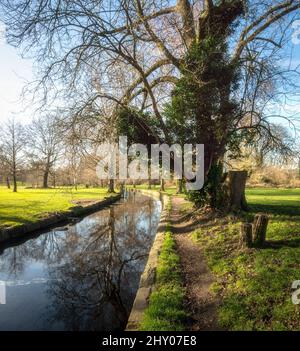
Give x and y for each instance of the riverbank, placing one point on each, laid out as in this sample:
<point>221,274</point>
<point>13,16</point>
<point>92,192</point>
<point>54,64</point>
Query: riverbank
<point>228,286</point>
<point>53,219</point>
<point>29,204</point>
<point>166,310</point>
<point>148,278</point>
<point>168,298</point>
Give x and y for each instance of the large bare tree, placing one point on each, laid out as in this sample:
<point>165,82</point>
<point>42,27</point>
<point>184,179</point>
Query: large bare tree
<point>44,144</point>
<point>134,53</point>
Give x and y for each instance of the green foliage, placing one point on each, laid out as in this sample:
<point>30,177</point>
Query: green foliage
<point>255,285</point>
<point>165,311</point>
<point>198,96</point>
<point>139,127</point>
<point>213,192</point>
<point>202,111</point>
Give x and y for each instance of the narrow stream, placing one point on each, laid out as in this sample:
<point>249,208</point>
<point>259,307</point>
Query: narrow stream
<point>83,277</point>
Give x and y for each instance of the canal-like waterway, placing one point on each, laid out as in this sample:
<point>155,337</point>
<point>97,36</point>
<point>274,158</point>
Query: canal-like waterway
<point>83,276</point>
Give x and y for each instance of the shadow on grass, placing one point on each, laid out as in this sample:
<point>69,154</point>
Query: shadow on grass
<point>276,209</point>
<point>13,221</point>
<point>279,244</point>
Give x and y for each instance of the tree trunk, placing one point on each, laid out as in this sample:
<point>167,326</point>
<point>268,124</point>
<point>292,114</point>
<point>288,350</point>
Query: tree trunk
<point>45,178</point>
<point>111,186</point>
<point>179,186</point>
<point>162,184</point>
<point>15,181</point>
<point>246,234</point>
<point>75,183</point>
<point>7,183</point>
<point>236,190</point>
<point>260,225</point>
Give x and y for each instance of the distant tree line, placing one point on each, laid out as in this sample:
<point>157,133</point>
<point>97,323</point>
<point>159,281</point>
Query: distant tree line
<point>40,154</point>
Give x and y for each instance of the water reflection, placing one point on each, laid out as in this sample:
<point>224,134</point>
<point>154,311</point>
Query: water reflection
<point>84,278</point>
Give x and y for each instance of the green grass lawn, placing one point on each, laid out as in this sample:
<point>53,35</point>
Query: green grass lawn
<point>166,311</point>
<point>28,205</point>
<point>255,285</point>
<point>275,201</point>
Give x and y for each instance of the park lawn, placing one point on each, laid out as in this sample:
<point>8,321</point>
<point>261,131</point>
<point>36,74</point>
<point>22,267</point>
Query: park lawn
<point>255,285</point>
<point>28,205</point>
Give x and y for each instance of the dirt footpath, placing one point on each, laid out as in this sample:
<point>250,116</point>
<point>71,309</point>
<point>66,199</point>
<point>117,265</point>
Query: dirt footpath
<point>200,303</point>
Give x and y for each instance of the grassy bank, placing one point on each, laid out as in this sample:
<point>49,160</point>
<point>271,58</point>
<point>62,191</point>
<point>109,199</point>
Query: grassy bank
<point>28,205</point>
<point>165,311</point>
<point>255,285</point>
<point>171,190</point>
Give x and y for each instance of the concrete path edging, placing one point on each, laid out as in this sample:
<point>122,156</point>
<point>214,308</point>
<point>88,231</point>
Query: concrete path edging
<point>148,278</point>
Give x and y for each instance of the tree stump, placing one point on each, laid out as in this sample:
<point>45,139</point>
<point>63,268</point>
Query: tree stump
<point>246,234</point>
<point>236,190</point>
<point>260,225</point>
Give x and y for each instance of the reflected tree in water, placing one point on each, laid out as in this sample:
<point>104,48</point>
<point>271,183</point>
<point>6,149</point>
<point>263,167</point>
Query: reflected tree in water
<point>95,286</point>
<point>92,270</point>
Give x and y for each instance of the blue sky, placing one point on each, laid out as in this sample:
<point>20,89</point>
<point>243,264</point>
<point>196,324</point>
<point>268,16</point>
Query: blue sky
<point>16,71</point>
